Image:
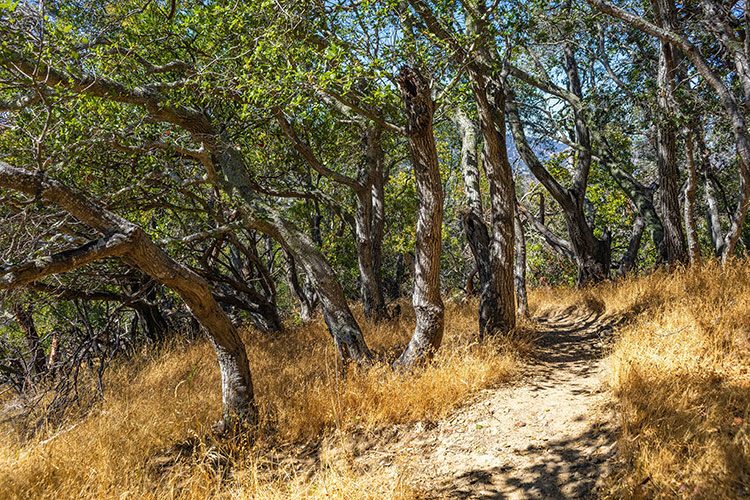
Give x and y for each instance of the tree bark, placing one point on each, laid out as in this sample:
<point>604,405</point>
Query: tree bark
<point>491,106</point>
<point>641,195</point>
<point>367,189</point>
<point>469,163</point>
<point>522,301</point>
<point>592,256</point>
<point>341,323</point>
<point>474,225</point>
<point>344,329</point>
<point>691,185</point>
<point>369,226</point>
<point>428,304</point>
<point>479,244</point>
<point>666,141</point>
<point>37,359</point>
<point>238,401</point>
<point>488,94</point>
<point>152,321</point>
<point>308,299</point>
<point>629,259</point>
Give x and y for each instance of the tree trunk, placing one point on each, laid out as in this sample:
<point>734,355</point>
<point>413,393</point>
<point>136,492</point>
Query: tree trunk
<point>305,293</point>
<point>693,245</point>
<point>469,162</point>
<point>428,304</point>
<point>666,142</point>
<point>713,215</point>
<point>54,353</point>
<point>629,259</point>
<point>152,321</point>
<point>522,301</point>
<point>341,323</point>
<point>592,256</point>
<point>479,243</point>
<point>491,107</point>
<point>399,276</point>
<point>37,362</point>
<point>265,317</point>
<point>733,109</point>
<point>238,399</point>
<point>475,227</point>
<point>364,225</point>
<point>137,249</point>
<point>377,224</point>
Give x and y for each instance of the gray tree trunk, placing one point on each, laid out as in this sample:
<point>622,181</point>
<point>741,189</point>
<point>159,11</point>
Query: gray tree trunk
<point>490,99</point>
<point>592,256</point>
<point>344,329</point>
<point>469,161</point>
<point>522,301</point>
<point>308,299</point>
<point>474,225</point>
<point>691,185</point>
<point>369,226</point>
<point>629,259</point>
<point>342,325</point>
<point>428,304</point>
<point>135,247</point>
<point>666,141</point>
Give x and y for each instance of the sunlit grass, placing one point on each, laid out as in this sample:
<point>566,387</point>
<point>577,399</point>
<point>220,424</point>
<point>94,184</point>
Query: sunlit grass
<point>160,408</point>
<point>679,371</point>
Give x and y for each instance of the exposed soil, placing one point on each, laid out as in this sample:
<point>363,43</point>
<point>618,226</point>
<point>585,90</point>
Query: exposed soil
<point>548,436</point>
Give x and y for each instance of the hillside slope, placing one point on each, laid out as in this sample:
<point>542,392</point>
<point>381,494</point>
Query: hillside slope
<point>634,388</point>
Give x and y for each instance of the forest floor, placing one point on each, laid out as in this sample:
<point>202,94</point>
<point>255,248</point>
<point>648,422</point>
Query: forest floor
<point>550,435</point>
<point>638,388</point>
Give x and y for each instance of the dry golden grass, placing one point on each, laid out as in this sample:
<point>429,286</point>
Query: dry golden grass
<point>150,436</point>
<point>680,372</point>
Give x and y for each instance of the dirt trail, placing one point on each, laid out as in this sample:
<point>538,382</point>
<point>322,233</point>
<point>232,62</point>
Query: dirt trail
<point>549,436</point>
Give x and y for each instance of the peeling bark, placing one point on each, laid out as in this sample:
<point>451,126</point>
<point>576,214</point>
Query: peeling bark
<point>428,304</point>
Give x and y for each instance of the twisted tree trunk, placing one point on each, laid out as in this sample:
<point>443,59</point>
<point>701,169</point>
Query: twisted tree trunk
<point>344,329</point>
<point>128,241</point>
<point>428,304</point>
<point>474,225</point>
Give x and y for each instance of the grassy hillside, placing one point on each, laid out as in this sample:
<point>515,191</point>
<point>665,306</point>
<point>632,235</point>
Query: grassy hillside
<point>679,372</point>
<point>151,436</point>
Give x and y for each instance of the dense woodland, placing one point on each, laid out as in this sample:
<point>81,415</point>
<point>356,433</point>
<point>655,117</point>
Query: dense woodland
<point>187,168</point>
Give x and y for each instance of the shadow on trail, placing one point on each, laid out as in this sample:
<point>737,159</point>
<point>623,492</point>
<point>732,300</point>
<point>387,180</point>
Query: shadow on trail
<point>563,469</point>
<point>570,344</point>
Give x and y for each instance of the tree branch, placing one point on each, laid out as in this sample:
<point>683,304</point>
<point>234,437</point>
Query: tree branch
<point>68,260</point>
